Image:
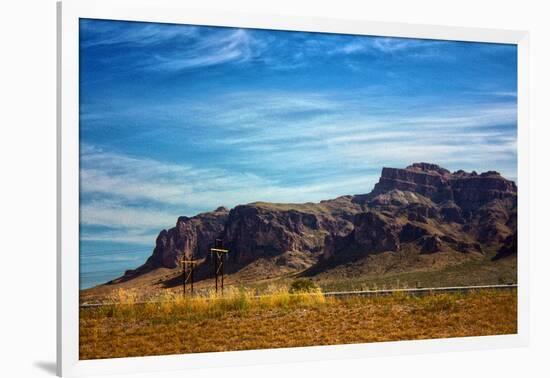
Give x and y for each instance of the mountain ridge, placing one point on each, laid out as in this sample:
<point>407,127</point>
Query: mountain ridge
<point>418,210</point>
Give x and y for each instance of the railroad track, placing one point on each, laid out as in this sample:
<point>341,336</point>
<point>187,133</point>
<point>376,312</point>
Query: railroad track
<point>373,293</point>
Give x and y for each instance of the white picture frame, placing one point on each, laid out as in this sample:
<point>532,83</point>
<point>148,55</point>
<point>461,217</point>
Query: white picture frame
<point>171,11</point>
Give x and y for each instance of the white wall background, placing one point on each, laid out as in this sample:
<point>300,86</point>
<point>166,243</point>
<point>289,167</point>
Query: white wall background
<point>27,186</point>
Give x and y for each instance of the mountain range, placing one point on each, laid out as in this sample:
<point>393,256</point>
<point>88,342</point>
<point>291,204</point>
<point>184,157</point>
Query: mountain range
<point>419,217</point>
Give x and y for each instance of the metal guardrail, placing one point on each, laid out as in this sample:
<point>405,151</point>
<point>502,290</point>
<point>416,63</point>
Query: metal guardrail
<point>420,291</point>
<point>371,293</point>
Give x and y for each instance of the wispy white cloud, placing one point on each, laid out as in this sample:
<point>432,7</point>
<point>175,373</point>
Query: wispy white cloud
<point>120,198</point>
<point>387,45</point>
<point>319,127</point>
<point>144,237</point>
<point>121,180</point>
<point>107,33</point>
<point>167,47</point>
<point>319,130</point>
<point>115,215</point>
<point>118,175</point>
<point>238,46</point>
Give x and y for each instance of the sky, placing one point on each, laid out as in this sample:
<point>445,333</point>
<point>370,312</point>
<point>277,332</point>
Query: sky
<point>180,119</point>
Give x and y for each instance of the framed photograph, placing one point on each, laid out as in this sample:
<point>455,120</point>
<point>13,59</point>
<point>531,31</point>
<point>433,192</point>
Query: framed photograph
<point>238,188</point>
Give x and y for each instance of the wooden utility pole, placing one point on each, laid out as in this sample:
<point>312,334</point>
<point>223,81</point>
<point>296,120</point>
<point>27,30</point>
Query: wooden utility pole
<point>218,254</point>
<point>188,267</point>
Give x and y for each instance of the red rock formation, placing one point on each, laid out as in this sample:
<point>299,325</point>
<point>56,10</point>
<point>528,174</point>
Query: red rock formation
<point>467,190</point>
<point>417,202</point>
<point>264,230</point>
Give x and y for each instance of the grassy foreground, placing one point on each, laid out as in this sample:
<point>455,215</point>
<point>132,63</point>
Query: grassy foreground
<point>239,320</point>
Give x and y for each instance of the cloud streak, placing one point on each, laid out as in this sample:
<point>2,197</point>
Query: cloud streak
<point>119,196</point>
<point>237,47</point>
<point>173,48</point>
<point>98,33</point>
<point>305,131</point>
<point>392,46</point>
<point>170,48</point>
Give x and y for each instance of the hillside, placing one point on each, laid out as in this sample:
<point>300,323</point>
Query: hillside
<point>422,218</point>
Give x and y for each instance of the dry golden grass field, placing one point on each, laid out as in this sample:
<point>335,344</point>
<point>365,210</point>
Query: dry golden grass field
<point>240,321</point>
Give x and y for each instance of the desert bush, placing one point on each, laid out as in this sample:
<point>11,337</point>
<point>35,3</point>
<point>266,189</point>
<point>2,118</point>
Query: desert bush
<point>233,299</point>
<point>275,297</point>
<point>303,285</point>
<point>310,298</point>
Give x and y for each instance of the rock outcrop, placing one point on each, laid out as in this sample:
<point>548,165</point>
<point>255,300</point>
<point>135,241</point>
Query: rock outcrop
<point>467,190</point>
<point>433,210</point>
<point>268,230</point>
<point>372,232</point>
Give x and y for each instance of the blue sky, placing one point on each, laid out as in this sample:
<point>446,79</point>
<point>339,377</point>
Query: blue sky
<point>176,119</point>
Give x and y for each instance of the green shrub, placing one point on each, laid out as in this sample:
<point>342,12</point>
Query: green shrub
<point>303,286</point>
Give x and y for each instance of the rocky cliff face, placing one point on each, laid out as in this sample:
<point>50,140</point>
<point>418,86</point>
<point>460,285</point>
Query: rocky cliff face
<point>427,208</point>
<point>261,230</point>
<point>468,190</point>
<point>423,208</point>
